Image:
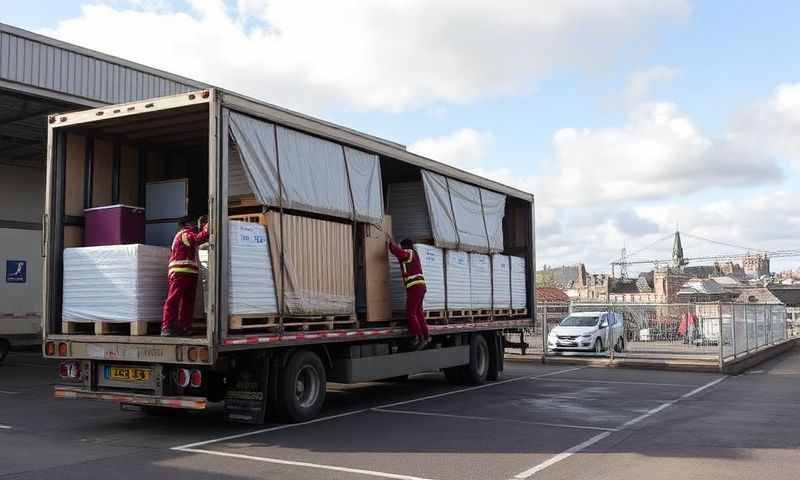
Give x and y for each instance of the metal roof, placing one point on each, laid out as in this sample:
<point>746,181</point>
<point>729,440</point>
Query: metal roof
<point>46,67</point>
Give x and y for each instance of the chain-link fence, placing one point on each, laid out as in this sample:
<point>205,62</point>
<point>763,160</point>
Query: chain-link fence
<point>721,331</point>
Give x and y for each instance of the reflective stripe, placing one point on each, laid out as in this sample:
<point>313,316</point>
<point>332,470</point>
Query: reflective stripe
<point>175,263</point>
<point>182,270</point>
<point>185,239</point>
<point>410,256</point>
<point>415,282</point>
<point>412,277</point>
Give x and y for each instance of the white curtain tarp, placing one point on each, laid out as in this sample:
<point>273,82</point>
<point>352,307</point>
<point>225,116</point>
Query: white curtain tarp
<point>463,216</point>
<point>364,170</point>
<point>494,209</point>
<point>466,201</point>
<point>313,171</point>
<point>443,224</point>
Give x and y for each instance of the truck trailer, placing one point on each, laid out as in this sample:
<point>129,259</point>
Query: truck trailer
<point>232,158</point>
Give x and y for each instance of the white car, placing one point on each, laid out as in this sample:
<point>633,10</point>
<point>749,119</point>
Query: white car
<point>588,331</point>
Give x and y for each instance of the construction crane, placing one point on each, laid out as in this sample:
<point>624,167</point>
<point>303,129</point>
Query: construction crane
<point>624,261</point>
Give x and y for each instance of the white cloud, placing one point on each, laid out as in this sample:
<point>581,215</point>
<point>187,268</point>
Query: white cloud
<point>659,153</point>
<point>642,82</point>
<point>460,148</point>
<point>388,55</point>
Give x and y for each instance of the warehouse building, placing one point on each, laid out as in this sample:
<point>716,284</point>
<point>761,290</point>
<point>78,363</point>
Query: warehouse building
<point>40,75</point>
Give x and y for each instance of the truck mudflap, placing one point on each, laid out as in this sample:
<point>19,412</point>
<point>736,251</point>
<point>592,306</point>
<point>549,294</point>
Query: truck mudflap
<point>187,403</point>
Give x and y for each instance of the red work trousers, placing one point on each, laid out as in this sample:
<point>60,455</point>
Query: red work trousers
<point>179,306</point>
<point>416,317</point>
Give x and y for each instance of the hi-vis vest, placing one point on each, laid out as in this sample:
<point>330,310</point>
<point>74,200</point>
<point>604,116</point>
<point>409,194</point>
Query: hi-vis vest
<point>183,258</point>
<point>412,269</point>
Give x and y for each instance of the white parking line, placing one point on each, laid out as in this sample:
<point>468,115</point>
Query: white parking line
<point>354,412</point>
<point>8,392</point>
<point>588,443</point>
<point>493,419</point>
<point>617,382</point>
<point>5,427</point>
<point>360,471</point>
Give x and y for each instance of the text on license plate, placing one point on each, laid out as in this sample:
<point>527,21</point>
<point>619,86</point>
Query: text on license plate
<point>128,374</point>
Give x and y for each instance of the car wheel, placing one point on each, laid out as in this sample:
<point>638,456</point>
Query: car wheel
<point>598,346</point>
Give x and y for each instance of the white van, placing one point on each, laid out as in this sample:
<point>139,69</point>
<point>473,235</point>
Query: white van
<point>588,331</point>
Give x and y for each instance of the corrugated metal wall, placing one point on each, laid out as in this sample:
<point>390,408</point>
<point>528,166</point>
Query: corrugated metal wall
<point>34,63</point>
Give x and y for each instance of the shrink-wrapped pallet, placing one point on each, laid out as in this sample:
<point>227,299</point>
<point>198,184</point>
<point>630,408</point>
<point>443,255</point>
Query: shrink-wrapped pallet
<point>251,285</point>
<point>519,297</point>
<point>114,283</point>
<point>409,210</point>
<point>458,283</point>
<point>318,277</point>
<point>501,281</point>
<point>432,260</point>
<point>480,285</point>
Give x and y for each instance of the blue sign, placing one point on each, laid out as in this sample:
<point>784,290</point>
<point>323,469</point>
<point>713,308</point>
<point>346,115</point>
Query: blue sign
<point>16,271</point>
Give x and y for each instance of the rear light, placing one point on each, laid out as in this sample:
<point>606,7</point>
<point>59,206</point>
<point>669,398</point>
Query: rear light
<point>196,378</point>
<point>205,94</point>
<point>49,349</point>
<point>198,354</point>
<point>63,349</point>
<point>69,370</point>
<point>183,377</point>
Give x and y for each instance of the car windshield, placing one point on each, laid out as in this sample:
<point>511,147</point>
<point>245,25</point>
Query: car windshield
<point>574,321</point>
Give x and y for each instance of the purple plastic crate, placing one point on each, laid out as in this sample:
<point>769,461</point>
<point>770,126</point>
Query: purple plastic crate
<point>113,225</point>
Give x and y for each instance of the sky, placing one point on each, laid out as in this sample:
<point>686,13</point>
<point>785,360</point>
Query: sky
<point>626,118</point>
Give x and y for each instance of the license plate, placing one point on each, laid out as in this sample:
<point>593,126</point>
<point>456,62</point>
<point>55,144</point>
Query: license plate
<point>568,344</point>
<point>129,374</point>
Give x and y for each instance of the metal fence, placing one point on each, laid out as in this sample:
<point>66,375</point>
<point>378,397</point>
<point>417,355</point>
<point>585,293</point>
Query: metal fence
<point>714,331</point>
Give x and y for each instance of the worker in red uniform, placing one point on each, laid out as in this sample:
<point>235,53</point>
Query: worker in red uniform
<point>183,270</point>
<point>415,290</point>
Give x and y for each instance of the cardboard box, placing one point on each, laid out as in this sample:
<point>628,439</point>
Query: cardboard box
<point>378,297</point>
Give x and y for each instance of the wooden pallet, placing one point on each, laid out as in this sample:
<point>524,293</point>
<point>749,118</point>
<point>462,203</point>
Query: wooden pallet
<point>459,313</point>
<point>105,328</point>
<point>501,312</point>
<point>518,312</point>
<point>249,322</point>
<point>431,314</point>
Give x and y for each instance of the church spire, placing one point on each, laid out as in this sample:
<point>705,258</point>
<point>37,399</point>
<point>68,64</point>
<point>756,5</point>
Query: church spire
<point>678,261</point>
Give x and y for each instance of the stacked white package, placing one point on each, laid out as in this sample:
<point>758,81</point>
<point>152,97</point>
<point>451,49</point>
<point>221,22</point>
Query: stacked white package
<point>458,290</point>
<point>501,281</point>
<point>251,285</point>
<point>432,260</point>
<point>518,275</point>
<point>409,211</point>
<point>480,287</point>
<point>200,304</point>
<point>114,283</point>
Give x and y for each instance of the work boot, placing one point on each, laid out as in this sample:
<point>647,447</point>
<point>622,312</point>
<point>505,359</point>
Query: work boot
<point>166,332</point>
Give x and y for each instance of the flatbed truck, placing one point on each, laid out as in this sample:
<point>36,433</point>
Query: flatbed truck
<point>106,156</point>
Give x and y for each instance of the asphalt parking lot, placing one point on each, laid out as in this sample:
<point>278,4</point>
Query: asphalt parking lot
<point>541,421</point>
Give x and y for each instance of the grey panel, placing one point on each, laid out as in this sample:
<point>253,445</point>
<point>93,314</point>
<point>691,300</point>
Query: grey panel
<point>166,200</point>
<point>41,62</point>
<point>238,184</point>
<point>365,183</point>
<point>409,212</point>
<point>255,141</point>
<point>377,367</point>
<point>443,222</point>
<point>160,234</point>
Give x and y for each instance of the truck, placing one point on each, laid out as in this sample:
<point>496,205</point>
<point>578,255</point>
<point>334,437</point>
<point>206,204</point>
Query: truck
<point>113,154</point>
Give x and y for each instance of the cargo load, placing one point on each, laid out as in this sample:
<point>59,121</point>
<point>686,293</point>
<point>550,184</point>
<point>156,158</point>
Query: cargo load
<point>480,275</point>
<point>501,282</point>
<point>432,260</point>
<point>113,225</point>
<point>318,273</point>
<point>114,283</point>
<point>251,285</point>
<point>375,301</point>
<point>409,211</point>
<point>519,297</point>
<point>458,280</point>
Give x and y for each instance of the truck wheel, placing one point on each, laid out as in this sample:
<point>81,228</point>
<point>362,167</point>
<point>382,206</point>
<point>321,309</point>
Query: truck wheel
<point>4,348</point>
<point>302,387</point>
<point>495,356</point>
<point>477,369</point>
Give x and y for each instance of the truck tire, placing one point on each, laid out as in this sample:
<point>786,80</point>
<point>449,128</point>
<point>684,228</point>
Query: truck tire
<point>302,387</point>
<point>5,346</point>
<point>495,356</point>
<point>476,371</point>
